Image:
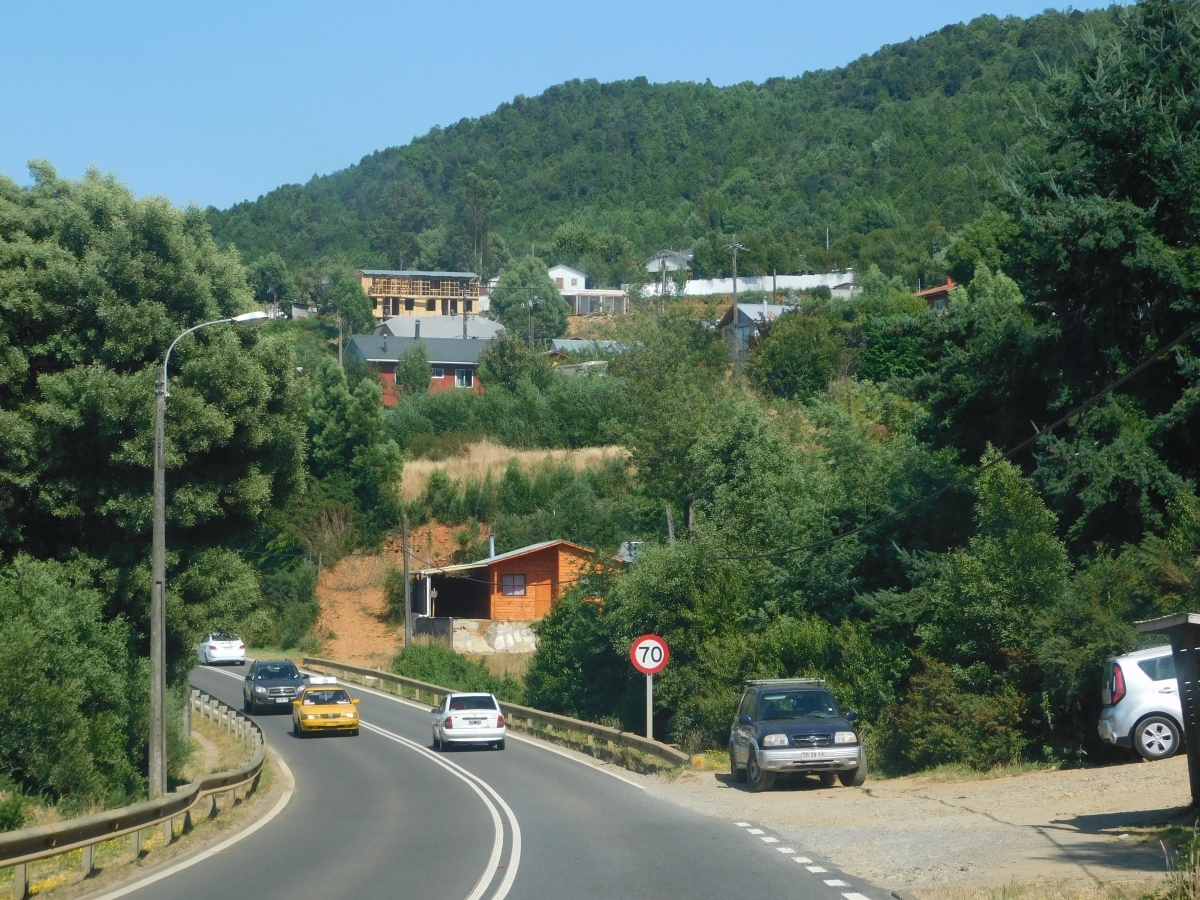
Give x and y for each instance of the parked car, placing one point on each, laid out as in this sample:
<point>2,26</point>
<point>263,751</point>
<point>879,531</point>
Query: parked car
<point>1142,711</point>
<point>468,719</point>
<point>221,647</point>
<point>793,725</point>
<point>271,684</point>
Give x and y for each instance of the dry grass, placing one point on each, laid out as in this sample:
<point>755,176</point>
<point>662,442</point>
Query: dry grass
<point>481,459</point>
<point>1047,890</point>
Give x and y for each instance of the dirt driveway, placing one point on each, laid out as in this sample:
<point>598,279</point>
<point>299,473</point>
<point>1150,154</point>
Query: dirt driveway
<point>929,832</point>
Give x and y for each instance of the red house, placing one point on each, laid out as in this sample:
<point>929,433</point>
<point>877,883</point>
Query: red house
<point>455,361</point>
<point>938,297</point>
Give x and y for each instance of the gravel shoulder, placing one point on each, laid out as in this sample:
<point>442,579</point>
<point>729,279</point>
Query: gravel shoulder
<point>929,832</point>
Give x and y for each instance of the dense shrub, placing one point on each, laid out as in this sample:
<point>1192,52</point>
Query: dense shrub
<point>290,593</point>
<point>437,664</point>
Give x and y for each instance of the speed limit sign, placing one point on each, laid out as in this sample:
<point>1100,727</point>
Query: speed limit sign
<point>649,654</point>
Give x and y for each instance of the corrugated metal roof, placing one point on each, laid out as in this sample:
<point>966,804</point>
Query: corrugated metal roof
<point>441,351</point>
<point>411,272</point>
<point>499,557</point>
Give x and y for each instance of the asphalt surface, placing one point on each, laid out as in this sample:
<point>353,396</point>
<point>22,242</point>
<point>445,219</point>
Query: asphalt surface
<point>381,815</point>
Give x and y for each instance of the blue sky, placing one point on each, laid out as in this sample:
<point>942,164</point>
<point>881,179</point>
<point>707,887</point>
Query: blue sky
<point>218,102</point>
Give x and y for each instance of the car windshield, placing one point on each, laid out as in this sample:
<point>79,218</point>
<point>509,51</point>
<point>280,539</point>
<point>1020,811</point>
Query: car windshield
<point>224,636</point>
<point>472,703</point>
<point>320,698</point>
<point>796,704</point>
<point>271,671</point>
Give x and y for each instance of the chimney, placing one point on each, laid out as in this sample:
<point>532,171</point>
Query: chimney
<point>417,330</point>
<point>491,545</point>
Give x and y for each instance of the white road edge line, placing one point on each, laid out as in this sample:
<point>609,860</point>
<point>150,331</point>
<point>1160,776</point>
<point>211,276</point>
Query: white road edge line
<point>489,873</point>
<point>289,789</point>
<point>475,782</point>
<point>542,745</point>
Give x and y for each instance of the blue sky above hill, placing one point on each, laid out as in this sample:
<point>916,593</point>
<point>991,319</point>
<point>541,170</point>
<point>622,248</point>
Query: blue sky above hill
<point>222,101</point>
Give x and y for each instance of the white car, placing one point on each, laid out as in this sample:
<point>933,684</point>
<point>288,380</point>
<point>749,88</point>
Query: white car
<point>468,719</point>
<point>220,647</point>
<point>1142,711</point>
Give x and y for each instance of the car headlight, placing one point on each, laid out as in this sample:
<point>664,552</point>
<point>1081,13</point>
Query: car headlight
<point>776,740</point>
<point>310,716</point>
<point>260,690</point>
<point>349,715</point>
<point>845,737</point>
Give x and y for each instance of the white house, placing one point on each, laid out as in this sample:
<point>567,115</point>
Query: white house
<point>585,301</point>
<point>569,280</point>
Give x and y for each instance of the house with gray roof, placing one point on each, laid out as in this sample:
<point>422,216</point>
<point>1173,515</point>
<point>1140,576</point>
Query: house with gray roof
<point>455,361</point>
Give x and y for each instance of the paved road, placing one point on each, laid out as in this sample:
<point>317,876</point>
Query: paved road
<point>381,815</point>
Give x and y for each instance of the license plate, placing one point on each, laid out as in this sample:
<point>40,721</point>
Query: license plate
<point>281,699</point>
<point>474,722</point>
<point>809,754</point>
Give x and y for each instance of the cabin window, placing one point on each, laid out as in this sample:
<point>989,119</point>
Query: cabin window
<point>409,303</point>
<point>439,372</point>
<point>463,378</point>
<point>430,305</point>
<point>512,585</point>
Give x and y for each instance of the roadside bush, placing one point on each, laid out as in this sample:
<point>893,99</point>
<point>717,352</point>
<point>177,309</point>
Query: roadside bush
<point>291,596</point>
<point>939,722</point>
<point>438,664</point>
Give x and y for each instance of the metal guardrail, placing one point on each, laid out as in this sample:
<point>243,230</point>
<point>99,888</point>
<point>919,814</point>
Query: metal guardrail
<point>515,711</point>
<point>19,848</point>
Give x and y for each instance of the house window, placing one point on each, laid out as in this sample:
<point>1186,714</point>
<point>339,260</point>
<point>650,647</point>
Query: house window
<point>463,378</point>
<point>559,282</point>
<point>439,372</point>
<point>512,585</point>
<point>574,282</point>
<point>430,305</point>
<point>409,304</point>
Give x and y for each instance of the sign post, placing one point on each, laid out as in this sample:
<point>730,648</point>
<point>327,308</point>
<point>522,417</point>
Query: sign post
<point>649,654</point>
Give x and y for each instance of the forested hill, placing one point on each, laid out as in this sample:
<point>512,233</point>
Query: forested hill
<point>887,152</point>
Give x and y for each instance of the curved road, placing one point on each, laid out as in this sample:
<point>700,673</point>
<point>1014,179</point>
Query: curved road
<point>382,815</point>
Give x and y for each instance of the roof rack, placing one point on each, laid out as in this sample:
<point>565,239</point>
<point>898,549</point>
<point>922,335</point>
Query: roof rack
<point>784,682</point>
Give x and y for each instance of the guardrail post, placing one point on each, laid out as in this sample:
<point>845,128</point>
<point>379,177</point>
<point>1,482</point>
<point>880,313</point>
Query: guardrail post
<point>136,840</point>
<point>88,862</point>
<point>20,884</point>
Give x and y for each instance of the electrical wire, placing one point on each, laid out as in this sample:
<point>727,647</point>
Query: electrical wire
<point>979,470</point>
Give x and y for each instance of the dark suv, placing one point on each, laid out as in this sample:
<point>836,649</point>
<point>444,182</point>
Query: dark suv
<point>788,725</point>
<point>271,684</point>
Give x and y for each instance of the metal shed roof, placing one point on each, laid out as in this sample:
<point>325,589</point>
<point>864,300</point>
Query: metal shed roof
<point>441,351</point>
<point>412,272</point>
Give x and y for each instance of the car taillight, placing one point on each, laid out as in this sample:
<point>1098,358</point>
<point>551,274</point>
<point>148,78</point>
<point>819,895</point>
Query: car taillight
<point>1118,684</point>
<point>499,721</point>
<point>212,646</point>
<point>449,722</point>
<point>241,646</point>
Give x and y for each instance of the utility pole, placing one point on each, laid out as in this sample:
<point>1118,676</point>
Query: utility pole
<point>735,350</point>
<point>158,617</point>
<point>774,285</point>
<point>532,306</point>
<point>408,616</point>
<point>827,242</point>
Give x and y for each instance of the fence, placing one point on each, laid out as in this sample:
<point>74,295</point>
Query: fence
<point>19,848</point>
<point>515,713</point>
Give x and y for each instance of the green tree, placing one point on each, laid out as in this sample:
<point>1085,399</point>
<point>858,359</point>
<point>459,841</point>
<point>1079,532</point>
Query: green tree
<point>508,361</point>
<point>521,280</point>
<point>413,371</point>
<point>796,355</point>
<point>271,282</point>
<point>350,302</point>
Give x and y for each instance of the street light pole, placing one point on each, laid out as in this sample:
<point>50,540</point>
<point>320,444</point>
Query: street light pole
<point>158,570</point>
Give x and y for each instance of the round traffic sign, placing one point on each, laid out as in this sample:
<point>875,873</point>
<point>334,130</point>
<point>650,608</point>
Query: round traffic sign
<point>649,654</point>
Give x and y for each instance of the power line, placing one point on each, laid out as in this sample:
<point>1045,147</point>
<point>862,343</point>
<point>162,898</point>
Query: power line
<point>979,470</point>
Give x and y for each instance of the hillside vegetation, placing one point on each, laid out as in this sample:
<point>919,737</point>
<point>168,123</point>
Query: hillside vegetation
<point>889,153</point>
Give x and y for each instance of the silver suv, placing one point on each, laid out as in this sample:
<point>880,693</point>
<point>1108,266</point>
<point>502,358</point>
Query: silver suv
<point>1141,703</point>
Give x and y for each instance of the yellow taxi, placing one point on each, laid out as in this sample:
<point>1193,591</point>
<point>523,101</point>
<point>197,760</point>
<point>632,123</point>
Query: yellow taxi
<point>324,705</point>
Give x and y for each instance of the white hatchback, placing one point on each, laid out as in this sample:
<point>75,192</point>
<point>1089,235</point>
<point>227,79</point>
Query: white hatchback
<point>468,719</point>
<point>1142,711</point>
<point>220,647</point>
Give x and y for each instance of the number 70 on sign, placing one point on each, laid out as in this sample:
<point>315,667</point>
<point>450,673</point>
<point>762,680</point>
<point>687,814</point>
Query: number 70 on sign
<point>649,654</point>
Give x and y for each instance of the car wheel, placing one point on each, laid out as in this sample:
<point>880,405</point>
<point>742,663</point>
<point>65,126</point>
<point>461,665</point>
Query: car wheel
<point>1156,737</point>
<point>758,777</point>
<point>828,778</point>
<point>739,775</point>
<point>247,706</point>
<point>437,744</point>
<point>854,777</point>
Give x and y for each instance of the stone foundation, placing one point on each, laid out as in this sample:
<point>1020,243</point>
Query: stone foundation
<point>488,636</point>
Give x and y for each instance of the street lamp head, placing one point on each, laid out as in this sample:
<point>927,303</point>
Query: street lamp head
<point>257,316</point>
